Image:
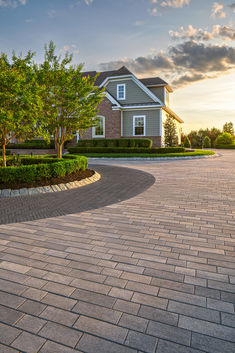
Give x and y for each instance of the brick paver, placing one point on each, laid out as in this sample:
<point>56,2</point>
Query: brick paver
<point>154,273</point>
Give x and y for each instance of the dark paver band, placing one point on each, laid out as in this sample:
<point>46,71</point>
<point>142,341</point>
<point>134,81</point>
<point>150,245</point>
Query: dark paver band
<point>116,184</point>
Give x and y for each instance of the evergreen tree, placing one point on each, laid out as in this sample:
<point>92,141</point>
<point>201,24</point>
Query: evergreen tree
<point>187,143</point>
<point>206,142</point>
<point>171,138</point>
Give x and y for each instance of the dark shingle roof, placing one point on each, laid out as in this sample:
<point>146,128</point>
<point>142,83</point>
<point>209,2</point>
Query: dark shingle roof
<point>151,81</point>
<point>103,75</point>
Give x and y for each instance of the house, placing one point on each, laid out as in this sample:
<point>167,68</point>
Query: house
<point>132,107</point>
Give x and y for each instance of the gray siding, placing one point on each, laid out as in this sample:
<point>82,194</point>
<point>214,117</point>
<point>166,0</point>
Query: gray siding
<point>152,122</point>
<point>134,94</point>
<point>159,92</point>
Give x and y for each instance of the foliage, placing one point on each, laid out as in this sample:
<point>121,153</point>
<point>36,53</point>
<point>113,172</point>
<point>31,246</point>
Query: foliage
<point>70,99</point>
<point>226,147</point>
<point>224,139</point>
<point>33,145</point>
<point>206,142</point>
<point>228,127</point>
<point>196,137</point>
<point>20,100</point>
<point>147,155</point>
<point>129,150</point>
<point>38,168</point>
<point>170,132</point>
<point>187,143</point>
<point>124,142</point>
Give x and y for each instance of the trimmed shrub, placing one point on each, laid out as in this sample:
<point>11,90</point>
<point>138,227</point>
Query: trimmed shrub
<point>34,169</point>
<point>224,139</point>
<point>187,143</point>
<point>32,144</point>
<point>125,150</point>
<point>8,152</point>
<point>122,142</point>
<point>206,142</point>
<point>226,147</point>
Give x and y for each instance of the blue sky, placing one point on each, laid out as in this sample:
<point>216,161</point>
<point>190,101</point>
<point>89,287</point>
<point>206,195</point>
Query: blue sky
<point>190,43</point>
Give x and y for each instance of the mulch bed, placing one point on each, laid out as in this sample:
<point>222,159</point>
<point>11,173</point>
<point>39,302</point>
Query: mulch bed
<point>76,176</point>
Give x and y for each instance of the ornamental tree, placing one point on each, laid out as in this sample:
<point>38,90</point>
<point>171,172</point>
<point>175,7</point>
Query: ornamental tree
<point>206,142</point>
<point>187,143</point>
<point>70,98</point>
<point>20,100</point>
<point>171,137</point>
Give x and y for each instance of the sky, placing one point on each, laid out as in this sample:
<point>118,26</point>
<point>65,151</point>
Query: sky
<point>189,43</point>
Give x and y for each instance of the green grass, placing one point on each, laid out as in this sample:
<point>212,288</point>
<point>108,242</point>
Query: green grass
<point>144,155</point>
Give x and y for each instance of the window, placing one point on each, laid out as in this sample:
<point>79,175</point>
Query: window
<point>139,125</point>
<point>99,129</point>
<point>121,92</point>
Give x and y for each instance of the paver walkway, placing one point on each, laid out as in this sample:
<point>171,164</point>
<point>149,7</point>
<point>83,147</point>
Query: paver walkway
<point>152,274</point>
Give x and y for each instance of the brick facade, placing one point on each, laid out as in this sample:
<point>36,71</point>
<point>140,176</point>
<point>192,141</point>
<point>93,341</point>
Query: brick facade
<point>112,121</point>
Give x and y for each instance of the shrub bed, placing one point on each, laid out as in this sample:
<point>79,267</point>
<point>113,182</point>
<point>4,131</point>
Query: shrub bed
<point>38,168</point>
<point>125,150</point>
<point>226,147</point>
<point>123,142</point>
<point>8,152</point>
<point>32,144</point>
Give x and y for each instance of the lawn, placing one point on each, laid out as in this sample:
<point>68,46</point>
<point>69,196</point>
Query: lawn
<point>148,155</point>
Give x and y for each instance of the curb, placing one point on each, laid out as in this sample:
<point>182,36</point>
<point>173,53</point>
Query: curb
<point>50,188</point>
<point>154,158</point>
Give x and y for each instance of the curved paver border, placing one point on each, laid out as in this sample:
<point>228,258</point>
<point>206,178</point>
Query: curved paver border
<point>154,158</point>
<point>50,188</point>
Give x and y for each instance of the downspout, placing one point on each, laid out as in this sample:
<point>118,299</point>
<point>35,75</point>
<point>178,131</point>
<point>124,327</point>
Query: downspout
<point>121,123</point>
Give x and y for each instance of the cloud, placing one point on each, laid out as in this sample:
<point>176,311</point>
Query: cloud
<point>232,6</point>
<point>218,10</point>
<point>182,64</point>
<point>88,2</point>
<point>175,3</point>
<point>224,32</point>
<point>72,49</point>
<point>12,3</point>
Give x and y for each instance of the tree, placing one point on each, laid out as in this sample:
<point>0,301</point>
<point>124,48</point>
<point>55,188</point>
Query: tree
<point>224,139</point>
<point>20,102</point>
<point>228,127</point>
<point>171,138</point>
<point>206,142</point>
<point>187,142</point>
<point>70,99</point>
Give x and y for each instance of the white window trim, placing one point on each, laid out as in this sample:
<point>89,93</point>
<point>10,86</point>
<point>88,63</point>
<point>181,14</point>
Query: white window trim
<point>121,85</point>
<point>139,116</point>
<point>94,127</point>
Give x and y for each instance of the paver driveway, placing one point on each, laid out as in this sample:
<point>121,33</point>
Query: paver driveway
<point>155,273</point>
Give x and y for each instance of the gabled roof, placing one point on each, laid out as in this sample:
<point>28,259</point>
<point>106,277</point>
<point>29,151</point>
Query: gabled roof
<point>123,71</point>
<point>155,82</point>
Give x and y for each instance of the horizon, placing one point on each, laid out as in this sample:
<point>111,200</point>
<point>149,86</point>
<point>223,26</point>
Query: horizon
<point>187,43</point>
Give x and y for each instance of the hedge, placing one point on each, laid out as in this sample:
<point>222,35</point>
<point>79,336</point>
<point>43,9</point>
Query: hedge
<point>32,144</point>
<point>226,147</point>
<point>35,169</point>
<point>8,152</point>
<point>125,150</point>
<point>123,142</point>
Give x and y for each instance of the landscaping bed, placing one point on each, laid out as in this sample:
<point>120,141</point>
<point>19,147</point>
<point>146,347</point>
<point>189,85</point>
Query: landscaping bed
<point>149,155</point>
<point>36,171</point>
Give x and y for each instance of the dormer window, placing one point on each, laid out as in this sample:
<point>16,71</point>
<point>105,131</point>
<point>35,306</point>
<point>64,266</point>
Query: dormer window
<point>121,92</point>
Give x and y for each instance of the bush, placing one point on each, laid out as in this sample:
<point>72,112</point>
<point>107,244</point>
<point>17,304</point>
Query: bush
<point>224,139</point>
<point>125,150</point>
<point>187,143</point>
<point>122,142</point>
<point>8,152</point>
<point>226,147</point>
<point>38,168</point>
<point>206,142</point>
<point>32,144</point>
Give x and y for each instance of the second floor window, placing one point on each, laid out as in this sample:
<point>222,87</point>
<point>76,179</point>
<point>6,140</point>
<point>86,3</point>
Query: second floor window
<point>121,91</point>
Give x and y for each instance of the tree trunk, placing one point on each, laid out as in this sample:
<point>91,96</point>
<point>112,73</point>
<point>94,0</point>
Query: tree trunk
<point>4,159</point>
<point>59,150</point>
